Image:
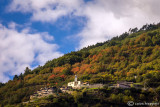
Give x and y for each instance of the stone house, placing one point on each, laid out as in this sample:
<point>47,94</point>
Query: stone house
<point>124,84</point>
<point>43,92</point>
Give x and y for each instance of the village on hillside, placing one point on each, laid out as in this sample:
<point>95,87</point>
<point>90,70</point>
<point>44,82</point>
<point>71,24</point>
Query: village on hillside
<point>46,91</point>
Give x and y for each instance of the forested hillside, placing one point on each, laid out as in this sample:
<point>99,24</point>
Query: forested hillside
<point>134,53</point>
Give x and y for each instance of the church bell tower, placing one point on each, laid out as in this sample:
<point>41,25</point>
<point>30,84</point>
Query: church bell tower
<point>75,78</point>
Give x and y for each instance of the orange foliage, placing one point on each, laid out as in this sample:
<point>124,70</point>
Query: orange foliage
<point>58,69</point>
<point>85,68</point>
<point>109,50</point>
<point>96,57</point>
<point>75,70</point>
<point>131,73</point>
<point>141,38</point>
<point>76,65</point>
<point>62,76</point>
<point>52,76</point>
<point>48,84</point>
<point>88,70</point>
<point>18,81</point>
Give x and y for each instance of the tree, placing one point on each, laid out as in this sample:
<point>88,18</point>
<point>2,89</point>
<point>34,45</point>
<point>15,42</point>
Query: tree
<point>148,42</point>
<point>67,72</point>
<point>27,71</point>
<point>50,97</point>
<point>21,76</point>
<point>15,77</point>
<point>1,84</point>
<point>36,70</point>
<point>144,27</point>
<point>156,40</point>
<point>158,90</point>
<point>134,30</point>
<point>124,35</point>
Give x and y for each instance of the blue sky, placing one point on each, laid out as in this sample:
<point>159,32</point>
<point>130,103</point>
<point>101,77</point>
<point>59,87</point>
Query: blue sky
<point>35,31</point>
<point>64,26</point>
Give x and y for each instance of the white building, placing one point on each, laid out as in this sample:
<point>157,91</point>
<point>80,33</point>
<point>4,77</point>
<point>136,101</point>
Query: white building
<point>75,83</point>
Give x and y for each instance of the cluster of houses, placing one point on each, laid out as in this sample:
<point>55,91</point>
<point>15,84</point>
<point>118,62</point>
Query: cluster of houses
<point>122,84</point>
<point>43,92</point>
<point>76,85</point>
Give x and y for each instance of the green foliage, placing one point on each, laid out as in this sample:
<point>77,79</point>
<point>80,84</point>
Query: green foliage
<point>67,72</point>
<point>134,53</point>
<point>50,97</point>
<point>1,84</point>
<point>37,70</point>
<point>158,90</point>
<point>85,77</point>
<point>27,71</point>
<point>15,77</point>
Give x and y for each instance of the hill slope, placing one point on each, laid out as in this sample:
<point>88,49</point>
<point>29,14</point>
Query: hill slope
<point>134,53</point>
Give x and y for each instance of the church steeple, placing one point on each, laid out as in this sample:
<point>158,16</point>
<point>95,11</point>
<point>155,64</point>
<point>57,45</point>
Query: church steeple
<point>75,78</point>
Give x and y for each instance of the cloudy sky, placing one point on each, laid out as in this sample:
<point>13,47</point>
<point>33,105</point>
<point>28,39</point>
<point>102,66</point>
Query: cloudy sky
<point>34,31</point>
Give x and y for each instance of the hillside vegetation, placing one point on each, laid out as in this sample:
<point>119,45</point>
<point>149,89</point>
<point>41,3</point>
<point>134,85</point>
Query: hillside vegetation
<point>134,53</point>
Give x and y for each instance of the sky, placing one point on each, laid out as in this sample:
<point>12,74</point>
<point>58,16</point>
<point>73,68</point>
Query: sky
<point>35,31</point>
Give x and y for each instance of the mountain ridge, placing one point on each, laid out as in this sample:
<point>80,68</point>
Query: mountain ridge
<point>134,53</point>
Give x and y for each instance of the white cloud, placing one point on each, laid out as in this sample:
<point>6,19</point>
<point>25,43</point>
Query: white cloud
<point>21,49</point>
<point>105,18</point>
<point>109,18</point>
<point>46,36</point>
<point>12,25</point>
<point>45,10</point>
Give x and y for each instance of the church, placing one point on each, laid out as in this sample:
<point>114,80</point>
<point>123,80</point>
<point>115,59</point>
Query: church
<point>75,83</point>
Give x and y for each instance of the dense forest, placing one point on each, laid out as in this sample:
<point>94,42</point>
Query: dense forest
<point>135,53</point>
